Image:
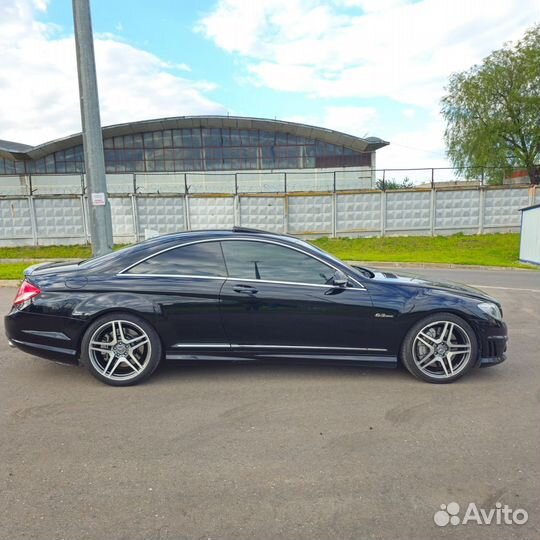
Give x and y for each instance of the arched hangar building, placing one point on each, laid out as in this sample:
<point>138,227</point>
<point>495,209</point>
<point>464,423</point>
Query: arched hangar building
<point>210,150</point>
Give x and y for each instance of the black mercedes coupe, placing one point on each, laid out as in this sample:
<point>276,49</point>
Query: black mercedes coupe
<point>248,295</point>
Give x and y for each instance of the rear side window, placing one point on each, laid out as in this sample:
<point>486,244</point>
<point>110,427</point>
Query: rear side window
<point>271,262</point>
<point>203,259</point>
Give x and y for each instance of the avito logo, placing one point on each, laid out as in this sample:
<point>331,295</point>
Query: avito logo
<point>500,515</point>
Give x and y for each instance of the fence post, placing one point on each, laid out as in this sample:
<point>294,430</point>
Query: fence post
<point>187,217</point>
<point>481,210</point>
<point>30,187</point>
<point>384,179</point>
<point>532,195</point>
<point>86,232</point>
<point>432,209</point>
<point>236,210</point>
<point>33,220</point>
<point>334,213</point>
<point>432,178</point>
<point>135,214</point>
<point>285,213</point>
<point>383,213</point>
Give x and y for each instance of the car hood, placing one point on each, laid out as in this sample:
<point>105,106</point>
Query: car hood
<point>403,278</point>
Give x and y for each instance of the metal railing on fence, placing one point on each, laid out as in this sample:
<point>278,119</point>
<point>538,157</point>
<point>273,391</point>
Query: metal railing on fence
<point>266,181</point>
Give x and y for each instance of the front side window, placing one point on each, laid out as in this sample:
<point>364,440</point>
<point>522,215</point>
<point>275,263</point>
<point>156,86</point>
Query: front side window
<point>203,259</point>
<point>270,262</point>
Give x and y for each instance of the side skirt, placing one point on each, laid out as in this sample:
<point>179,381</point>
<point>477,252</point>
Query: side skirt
<point>333,359</point>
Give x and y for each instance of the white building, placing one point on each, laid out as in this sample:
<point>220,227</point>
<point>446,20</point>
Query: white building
<point>529,249</point>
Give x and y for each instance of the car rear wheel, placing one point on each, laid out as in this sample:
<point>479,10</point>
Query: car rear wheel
<point>121,349</point>
<point>440,348</point>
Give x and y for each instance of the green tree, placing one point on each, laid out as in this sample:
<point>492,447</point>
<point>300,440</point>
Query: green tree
<point>385,185</point>
<point>492,111</point>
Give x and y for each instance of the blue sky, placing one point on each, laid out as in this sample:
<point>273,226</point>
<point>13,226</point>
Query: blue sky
<point>166,29</point>
<point>367,67</point>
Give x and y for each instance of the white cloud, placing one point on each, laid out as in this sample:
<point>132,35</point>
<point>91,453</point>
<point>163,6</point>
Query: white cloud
<point>404,51</point>
<point>408,113</point>
<point>413,147</point>
<point>364,49</point>
<point>38,80</point>
<point>353,120</point>
<point>357,121</point>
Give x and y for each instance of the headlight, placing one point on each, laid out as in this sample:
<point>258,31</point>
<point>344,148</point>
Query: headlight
<point>491,309</point>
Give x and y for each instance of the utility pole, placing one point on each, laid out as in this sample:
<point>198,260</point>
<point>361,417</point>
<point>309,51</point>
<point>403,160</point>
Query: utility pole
<point>94,161</point>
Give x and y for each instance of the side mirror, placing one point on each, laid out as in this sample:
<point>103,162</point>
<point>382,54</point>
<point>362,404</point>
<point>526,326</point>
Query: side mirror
<point>340,279</point>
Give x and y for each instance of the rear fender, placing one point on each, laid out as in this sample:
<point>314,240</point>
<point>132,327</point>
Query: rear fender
<point>98,305</point>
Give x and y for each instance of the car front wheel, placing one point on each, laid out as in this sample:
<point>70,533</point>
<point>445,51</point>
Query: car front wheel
<point>121,349</point>
<point>440,348</point>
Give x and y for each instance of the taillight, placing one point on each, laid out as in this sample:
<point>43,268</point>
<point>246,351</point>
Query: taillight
<point>26,292</point>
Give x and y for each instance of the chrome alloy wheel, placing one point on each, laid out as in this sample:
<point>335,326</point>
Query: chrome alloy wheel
<point>441,349</point>
<point>119,350</point>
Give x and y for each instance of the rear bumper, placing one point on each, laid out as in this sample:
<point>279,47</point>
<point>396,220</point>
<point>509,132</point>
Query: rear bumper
<point>50,337</point>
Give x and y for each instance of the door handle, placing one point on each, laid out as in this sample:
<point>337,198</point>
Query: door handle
<point>245,289</point>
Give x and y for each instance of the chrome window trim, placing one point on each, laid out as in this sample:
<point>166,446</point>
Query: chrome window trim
<point>250,280</point>
<point>358,286</point>
<point>223,278</point>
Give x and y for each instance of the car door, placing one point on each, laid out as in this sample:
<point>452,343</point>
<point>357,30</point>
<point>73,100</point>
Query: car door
<point>184,283</point>
<point>281,299</point>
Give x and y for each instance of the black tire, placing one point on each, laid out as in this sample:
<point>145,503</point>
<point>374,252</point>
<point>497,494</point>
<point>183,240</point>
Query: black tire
<point>125,349</point>
<point>436,366</point>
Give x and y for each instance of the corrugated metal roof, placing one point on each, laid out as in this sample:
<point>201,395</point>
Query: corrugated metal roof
<point>13,150</point>
<point>23,151</point>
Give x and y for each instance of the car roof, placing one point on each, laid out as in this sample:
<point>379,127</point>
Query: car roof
<point>219,233</point>
<point>156,244</point>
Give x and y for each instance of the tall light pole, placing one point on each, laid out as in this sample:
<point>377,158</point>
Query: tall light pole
<point>94,161</point>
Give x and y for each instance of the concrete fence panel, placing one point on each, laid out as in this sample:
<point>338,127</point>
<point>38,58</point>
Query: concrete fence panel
<point>408,211</point>
<point>359,212</point>
<point>59,220</point>
<point>267,213</point>
<point>459,209</point>
<point>211,212</point>
<point>42,219</point>
<point>15,221</point>
<point>502,207</point>
<point>160,214</point>
<point>122,219</point>
<point>310,214</point>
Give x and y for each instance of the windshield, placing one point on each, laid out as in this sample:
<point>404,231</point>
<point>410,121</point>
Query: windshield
<point>358,270</point>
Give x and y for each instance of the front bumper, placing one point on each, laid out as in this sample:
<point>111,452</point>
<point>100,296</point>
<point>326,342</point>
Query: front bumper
<point>493,345</point>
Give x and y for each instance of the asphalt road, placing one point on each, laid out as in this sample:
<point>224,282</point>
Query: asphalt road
<point>265,452</point>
